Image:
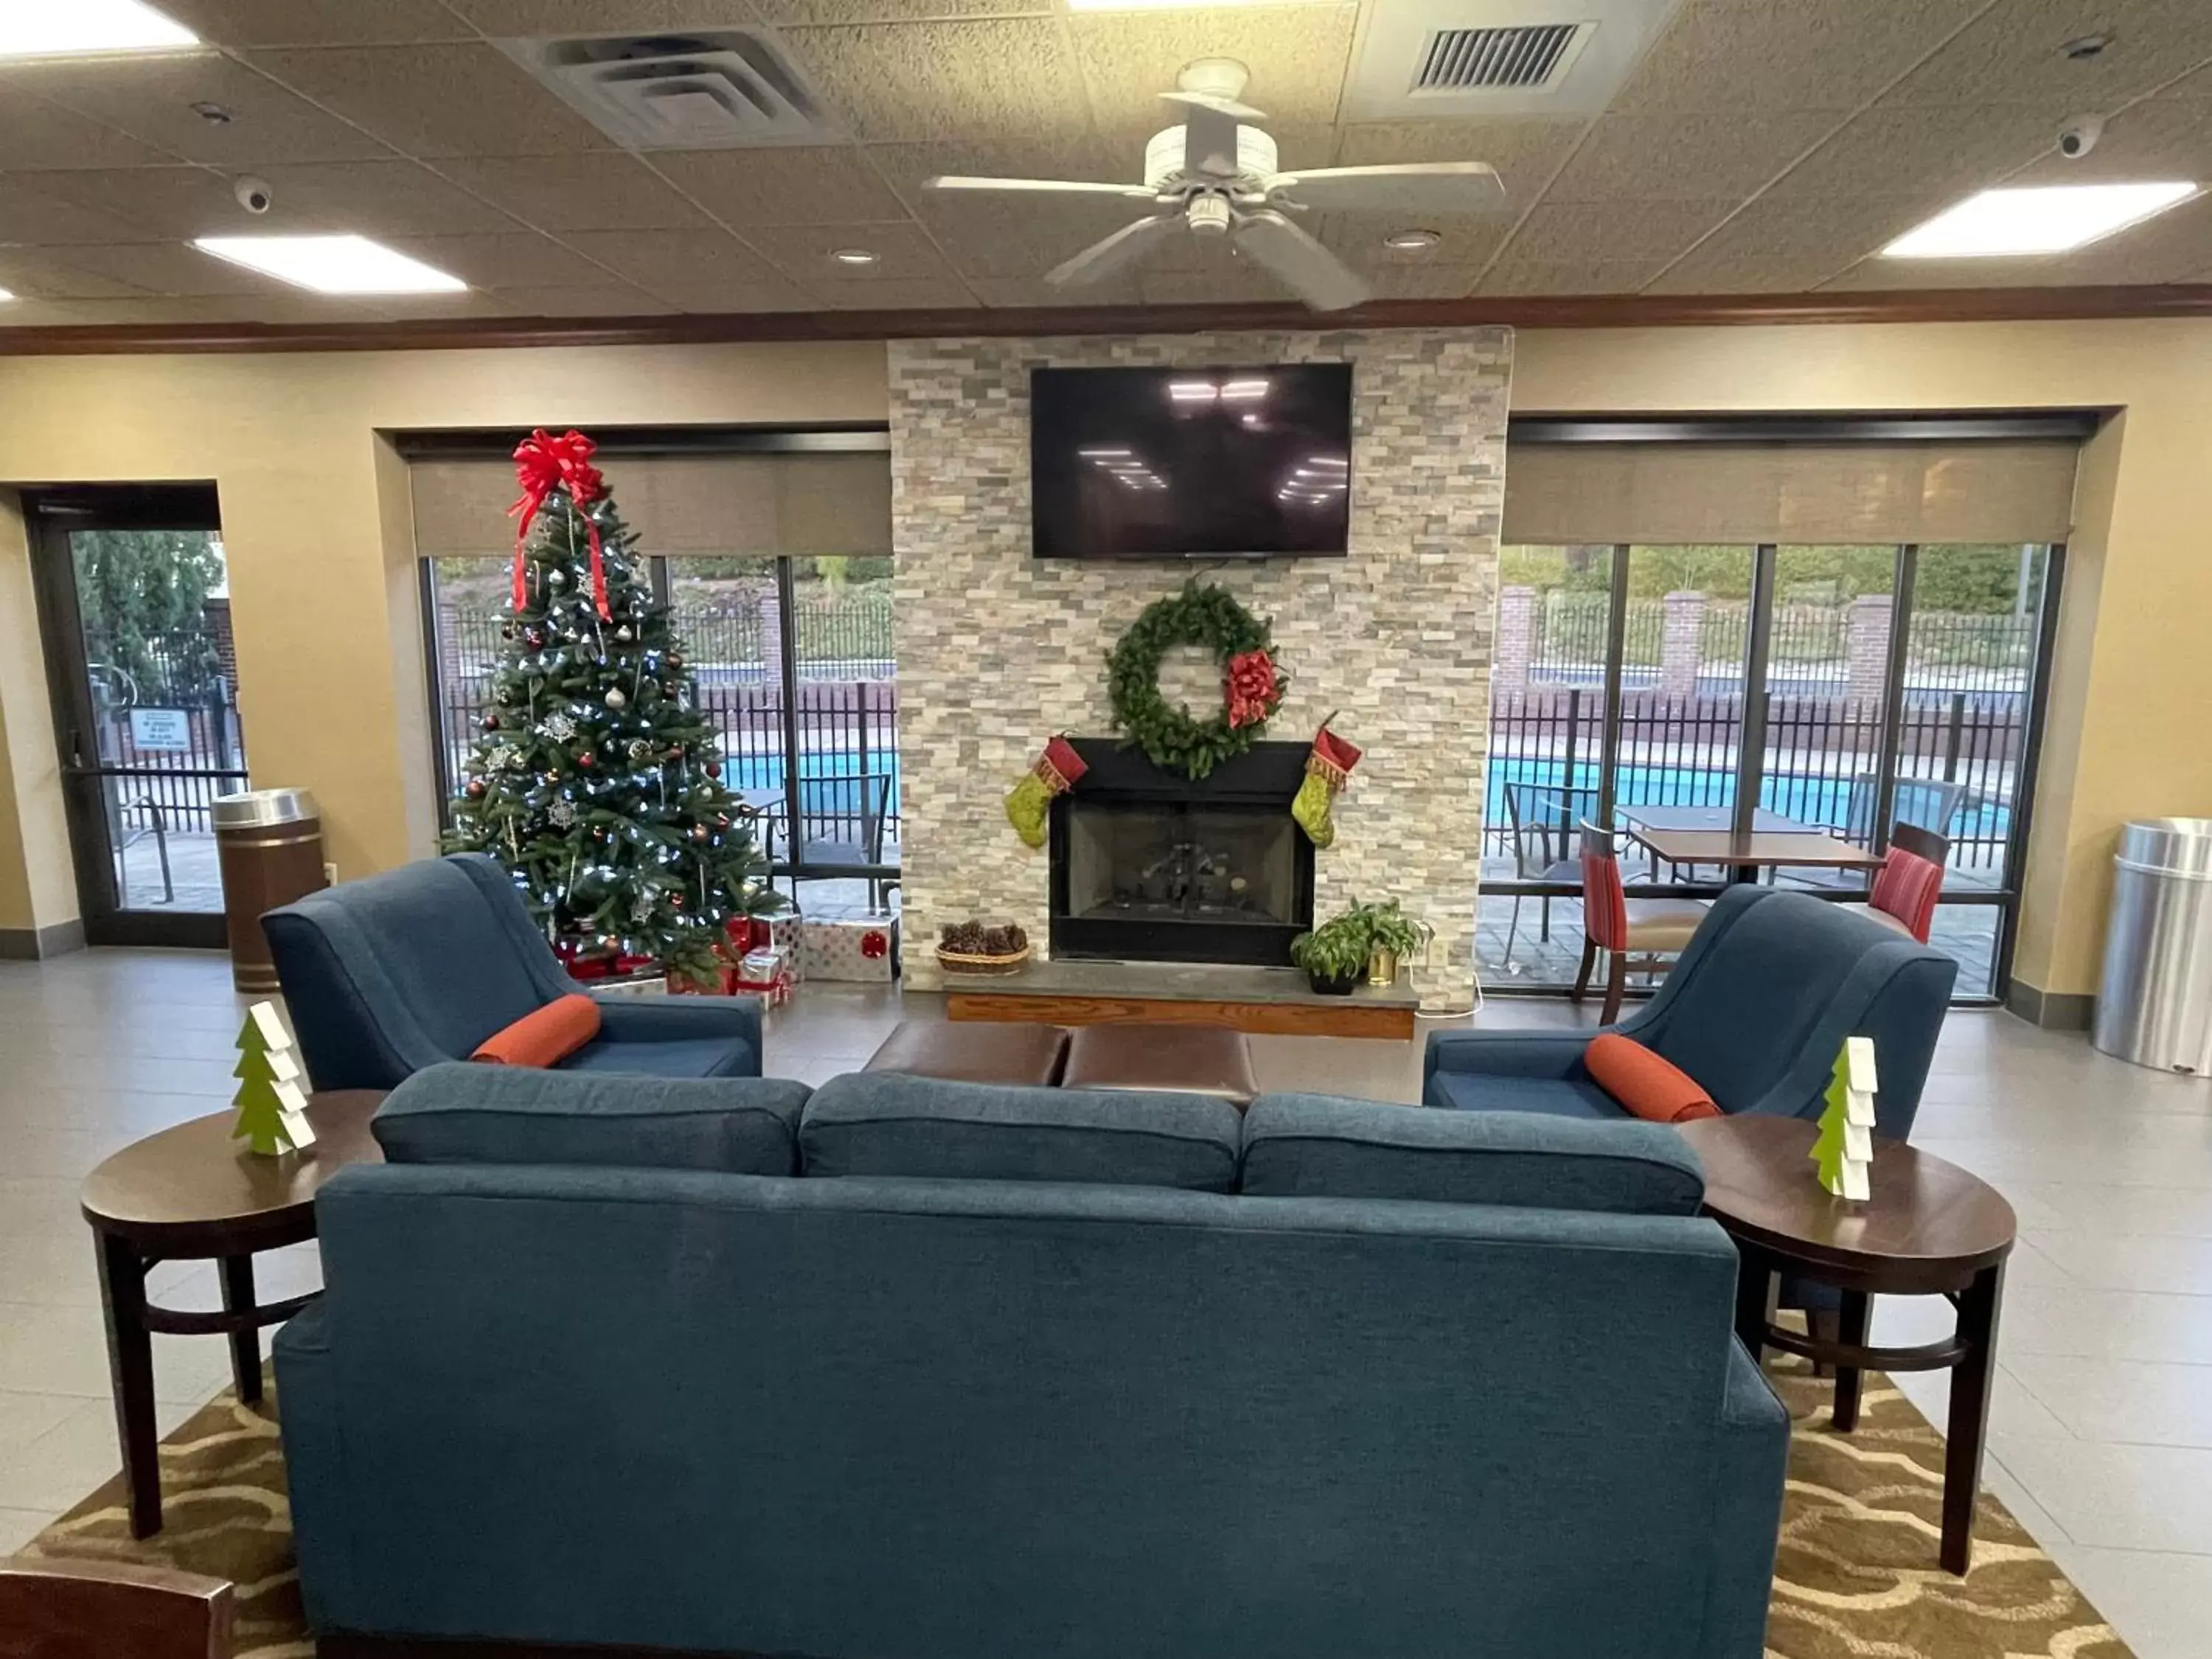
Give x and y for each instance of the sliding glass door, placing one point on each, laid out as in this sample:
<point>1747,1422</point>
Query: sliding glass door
<point>1847,687</point>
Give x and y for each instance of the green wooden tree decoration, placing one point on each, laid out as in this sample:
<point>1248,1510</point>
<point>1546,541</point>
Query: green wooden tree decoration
<point>1828,1148</point>
<point>1842,1151</point>
<point>260,1110</point>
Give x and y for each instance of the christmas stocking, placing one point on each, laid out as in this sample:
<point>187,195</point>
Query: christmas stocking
<point>1055,774</point>
<point>1327,768</point>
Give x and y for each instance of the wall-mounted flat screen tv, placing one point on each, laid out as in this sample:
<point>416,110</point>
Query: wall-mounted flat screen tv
<point>1190,463</point>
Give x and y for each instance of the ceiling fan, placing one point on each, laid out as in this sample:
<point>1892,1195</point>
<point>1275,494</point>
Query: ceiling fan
<point>1215,176</point>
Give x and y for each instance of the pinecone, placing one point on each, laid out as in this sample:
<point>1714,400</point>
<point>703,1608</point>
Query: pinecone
<point>1006,941</point>
<point>964,937</point>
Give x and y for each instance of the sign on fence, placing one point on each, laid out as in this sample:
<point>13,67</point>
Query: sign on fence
<point>161,728</point>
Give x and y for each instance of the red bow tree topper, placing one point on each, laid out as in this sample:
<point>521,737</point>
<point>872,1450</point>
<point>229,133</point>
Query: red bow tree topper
<point>543,463</point>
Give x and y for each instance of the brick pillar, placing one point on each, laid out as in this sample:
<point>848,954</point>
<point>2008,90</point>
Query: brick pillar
<point>1681,644</point>
<point>771,635</point>
<point>1516,638</point>
<point>1866,647</point>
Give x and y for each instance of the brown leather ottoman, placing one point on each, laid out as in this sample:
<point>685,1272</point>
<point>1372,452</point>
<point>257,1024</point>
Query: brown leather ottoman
<point>974,1053</point>
<point>1190,1060</point>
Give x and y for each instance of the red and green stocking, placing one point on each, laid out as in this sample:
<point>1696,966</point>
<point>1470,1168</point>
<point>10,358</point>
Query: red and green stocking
<point>1029,801</point>
<point>1327,768</point>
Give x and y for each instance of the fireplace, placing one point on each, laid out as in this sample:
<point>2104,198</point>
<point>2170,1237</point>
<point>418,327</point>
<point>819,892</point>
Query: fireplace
<point>1150,866</point>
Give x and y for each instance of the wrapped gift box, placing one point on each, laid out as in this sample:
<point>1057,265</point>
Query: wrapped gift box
<point>848,942</point>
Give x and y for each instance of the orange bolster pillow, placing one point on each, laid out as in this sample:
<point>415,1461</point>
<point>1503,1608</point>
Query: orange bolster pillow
<point>1647,1086</point>
<point>545,1037</point>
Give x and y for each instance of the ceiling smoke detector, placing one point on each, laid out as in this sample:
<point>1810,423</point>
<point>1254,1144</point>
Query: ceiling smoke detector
<point>731,89</point>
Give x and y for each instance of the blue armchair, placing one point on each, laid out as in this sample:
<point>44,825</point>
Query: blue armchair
<point>1755,1009</point>
<point>385,975</point>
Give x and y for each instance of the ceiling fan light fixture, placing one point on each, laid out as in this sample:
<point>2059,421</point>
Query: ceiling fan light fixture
<point>2029,220</point>
<point>1411,241</point>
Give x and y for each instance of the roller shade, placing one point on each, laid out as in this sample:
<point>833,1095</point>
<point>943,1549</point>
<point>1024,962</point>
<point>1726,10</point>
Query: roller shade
<point>1854,493</point>
<point>679,505</point>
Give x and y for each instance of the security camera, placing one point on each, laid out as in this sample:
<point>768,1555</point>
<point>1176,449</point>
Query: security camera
<point>253,194</point>
<point>2079,135</point>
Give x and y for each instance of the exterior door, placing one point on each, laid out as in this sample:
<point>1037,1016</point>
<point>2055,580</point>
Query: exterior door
<point>135,614</point>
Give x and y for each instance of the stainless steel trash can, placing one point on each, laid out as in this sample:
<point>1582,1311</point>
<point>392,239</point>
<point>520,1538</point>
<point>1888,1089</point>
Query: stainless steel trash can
<point>269,844</point>
<point>2155,1005</point>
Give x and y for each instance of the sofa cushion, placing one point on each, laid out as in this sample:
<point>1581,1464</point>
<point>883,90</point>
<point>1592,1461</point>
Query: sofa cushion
<point>674,1057</point>
<point>1321,1147</point>
<point>889,1123</point>
<point>1649,1087</point>
<point>1495,1092</point>
<point>465,1114</point>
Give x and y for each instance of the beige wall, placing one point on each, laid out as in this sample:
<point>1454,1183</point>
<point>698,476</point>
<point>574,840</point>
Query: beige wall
<point>2129,701</point>
<point>314,517</point>
<point>323,597</point>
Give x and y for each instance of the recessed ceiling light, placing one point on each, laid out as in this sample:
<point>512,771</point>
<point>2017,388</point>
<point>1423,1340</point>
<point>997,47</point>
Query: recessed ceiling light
<point>854,256</point>
<point>2035,219</point>
<point>40,28</point>
<point>5,296</point>
<point>1411,241</point>
<point>332,265</point>
<point>2082,50</point>
<point>214,115</point>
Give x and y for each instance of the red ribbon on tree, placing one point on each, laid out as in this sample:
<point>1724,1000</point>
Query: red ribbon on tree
<point>1253,692</point>
<point>543,463</point>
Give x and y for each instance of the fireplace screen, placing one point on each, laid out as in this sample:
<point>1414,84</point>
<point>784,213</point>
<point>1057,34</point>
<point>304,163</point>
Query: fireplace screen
<point>1168,881</point>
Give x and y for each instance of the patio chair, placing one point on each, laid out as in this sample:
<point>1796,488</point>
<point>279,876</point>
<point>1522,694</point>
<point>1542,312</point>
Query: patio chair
<point>840,822</point>
<point>1639,933</point>
<point>1910,882</point>
<point>1927,804</point>
<point>1538,817</point>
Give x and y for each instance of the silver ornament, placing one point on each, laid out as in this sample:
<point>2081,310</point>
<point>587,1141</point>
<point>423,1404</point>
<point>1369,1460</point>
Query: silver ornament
<point>623,634</point>
<point>616,699</point>
<point>557,578</point>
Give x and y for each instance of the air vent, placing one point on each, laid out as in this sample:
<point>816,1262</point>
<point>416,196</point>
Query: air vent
<point>1464,60</point>
<point>727,90</point>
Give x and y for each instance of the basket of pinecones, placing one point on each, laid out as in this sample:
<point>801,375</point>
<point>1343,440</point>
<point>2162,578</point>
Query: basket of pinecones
<point>970,947</point>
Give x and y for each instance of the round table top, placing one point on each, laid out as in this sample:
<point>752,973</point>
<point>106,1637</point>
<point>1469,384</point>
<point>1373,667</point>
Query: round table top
<point>194,1186</point>
<point>1926,1223</point>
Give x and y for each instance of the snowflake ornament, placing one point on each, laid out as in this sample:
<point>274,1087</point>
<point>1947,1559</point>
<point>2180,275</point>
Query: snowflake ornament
<point>559,728</point>
<point>563,812</point>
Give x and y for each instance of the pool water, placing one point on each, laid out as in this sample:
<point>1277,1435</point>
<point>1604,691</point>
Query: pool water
<point>1807,797</point>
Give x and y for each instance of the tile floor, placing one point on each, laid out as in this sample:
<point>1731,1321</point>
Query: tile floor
<point>2102,1438</point>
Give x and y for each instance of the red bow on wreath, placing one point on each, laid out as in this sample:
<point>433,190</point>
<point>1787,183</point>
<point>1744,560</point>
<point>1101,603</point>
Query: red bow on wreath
<point>1252,692</point>
<point>543,463</point>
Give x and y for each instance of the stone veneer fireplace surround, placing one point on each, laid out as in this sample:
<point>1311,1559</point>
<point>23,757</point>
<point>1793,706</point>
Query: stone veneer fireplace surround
<point>998,650</point>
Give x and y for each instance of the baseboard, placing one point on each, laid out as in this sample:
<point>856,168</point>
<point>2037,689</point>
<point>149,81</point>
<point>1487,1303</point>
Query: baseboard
<point>2054,1010</point>
<point>37,944</point>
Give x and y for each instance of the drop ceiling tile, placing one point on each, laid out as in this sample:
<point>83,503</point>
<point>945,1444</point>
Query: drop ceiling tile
<point>994,237</point>
<point>285,306</point>
<point>314,22</point>
<point>153,97</point>
<point>1726,56</point>
<point>659,261</point>
<point>2157,139</point>
<point>771,293</point>
<point>1783,274</point>
<point>516,259</point>
<point>42,314</point>
<point>1030,293</point>
<point>1298,55</point>
<point>990,77</point>
<point>37,134</point>
<point>29,215</point>
<point>169,268</point>
<point>600,191</point>
<point>34,275</point>
<point>436,101</point>
<point>1358,238</point>
<point>1893,149</point>
<point>1799,240</point>
<point>1568,275</point>
<point>2012,54</point>
<point>1408,280</point>
<point>1674,156</point>
<point>1617,230</point>
<point>179,200</point>
<point>548,19</point>
<point>1062,155</point>
<point>384,199</point>
<point>803,253</point>
<point>895,294</point>
<point>1526,154</point>
<point>893,11</point>
<point>1220,279</point>
<point>830,184</point>
<point>606,300</point>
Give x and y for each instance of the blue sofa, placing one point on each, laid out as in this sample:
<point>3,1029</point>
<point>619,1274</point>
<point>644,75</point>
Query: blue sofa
<point>385,975</point>
<point>912,1370</point>
<point>1756,1010</point>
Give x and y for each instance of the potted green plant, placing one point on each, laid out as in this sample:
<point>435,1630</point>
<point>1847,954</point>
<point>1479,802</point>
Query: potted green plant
<point>1334,955</point>
<point>1391,936</point>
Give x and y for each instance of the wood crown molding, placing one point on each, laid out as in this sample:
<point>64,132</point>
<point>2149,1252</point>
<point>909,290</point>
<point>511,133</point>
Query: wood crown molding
<point>1562,311</point>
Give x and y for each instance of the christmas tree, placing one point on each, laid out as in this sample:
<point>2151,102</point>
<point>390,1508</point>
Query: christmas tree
<point>260,1111</point>
<point>597,782</point>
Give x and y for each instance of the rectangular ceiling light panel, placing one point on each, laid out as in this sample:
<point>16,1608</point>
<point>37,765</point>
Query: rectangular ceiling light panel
<point>332,265</point>
<point>62,28</point>
<point>2035,219</point>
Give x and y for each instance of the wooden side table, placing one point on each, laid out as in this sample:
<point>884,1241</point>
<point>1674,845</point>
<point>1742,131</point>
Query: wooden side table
<point>1929,1229</point>
<point>192,1192</point>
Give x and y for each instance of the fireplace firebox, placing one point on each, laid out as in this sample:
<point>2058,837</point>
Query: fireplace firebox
<point>1148,865</point>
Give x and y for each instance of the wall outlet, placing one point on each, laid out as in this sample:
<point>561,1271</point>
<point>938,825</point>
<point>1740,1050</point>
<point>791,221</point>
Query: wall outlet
<point>330,875</point>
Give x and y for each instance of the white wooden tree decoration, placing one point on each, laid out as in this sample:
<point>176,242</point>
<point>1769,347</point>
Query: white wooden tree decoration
<point>272,1111</point>
<point>1844,1152</point>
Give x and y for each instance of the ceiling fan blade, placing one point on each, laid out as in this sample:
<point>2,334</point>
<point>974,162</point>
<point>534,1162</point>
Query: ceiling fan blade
<point>1403,187</point>
<point>1038,186</point>
<point>1116,252</point>
<point>1304,266</point>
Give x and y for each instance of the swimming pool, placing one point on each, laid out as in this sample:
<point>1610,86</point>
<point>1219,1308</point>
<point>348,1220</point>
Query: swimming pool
<point>1807,797</point>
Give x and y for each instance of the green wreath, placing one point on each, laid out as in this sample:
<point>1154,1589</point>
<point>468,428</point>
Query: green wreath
<point>1252,686</point>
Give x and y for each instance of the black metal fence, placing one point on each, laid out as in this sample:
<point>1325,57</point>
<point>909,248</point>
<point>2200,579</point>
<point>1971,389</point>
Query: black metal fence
<point>171,719</point>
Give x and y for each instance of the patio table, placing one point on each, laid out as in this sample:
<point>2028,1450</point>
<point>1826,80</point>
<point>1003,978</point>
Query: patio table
<point>1782,844</point>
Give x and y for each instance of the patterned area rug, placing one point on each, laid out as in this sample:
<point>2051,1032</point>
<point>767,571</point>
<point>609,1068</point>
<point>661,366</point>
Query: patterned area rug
<point>1856,1577</point>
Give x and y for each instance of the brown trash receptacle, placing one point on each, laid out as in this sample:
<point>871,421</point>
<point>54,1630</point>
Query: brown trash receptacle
<point>269,842</point>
